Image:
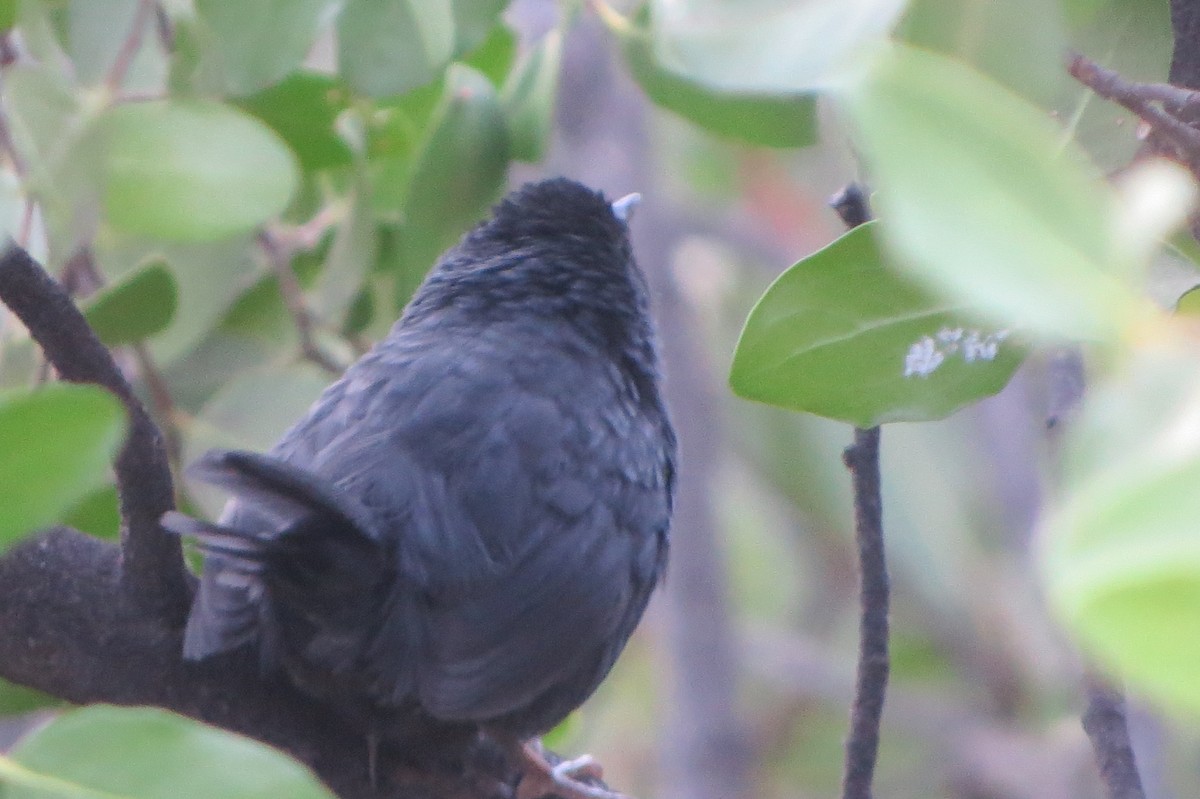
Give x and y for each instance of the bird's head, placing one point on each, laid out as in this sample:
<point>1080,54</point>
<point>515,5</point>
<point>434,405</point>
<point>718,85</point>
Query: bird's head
<point>552,248</point>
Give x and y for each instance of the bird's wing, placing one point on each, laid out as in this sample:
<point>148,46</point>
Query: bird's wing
<point>529,531</point>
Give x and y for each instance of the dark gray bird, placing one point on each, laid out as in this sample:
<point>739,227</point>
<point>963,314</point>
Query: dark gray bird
<point>471,520</point>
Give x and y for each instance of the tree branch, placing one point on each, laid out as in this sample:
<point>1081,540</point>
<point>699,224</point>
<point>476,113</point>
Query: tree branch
<point>1104,719</point>
<point>279,257</point>
<point>69,628</point>
<point>87,621</point>
<point>1107,729</point>
<point>153,570</point>
<point>1162,106</point>
<point>870,687</point>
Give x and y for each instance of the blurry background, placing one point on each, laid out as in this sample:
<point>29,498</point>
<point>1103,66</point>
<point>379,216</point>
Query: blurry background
<point>738,682</point>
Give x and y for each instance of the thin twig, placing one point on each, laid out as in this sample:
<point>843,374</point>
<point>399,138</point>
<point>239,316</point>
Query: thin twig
<point>870,685</point>
<point>1108,730</point>
<point>129,47</point>
<point>1104,720</point>
<point>152,563</point>
<point>293,297</point>
<point>1141,99</point>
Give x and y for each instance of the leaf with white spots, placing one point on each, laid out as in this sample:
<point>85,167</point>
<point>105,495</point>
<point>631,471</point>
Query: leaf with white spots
<point>843,335</point>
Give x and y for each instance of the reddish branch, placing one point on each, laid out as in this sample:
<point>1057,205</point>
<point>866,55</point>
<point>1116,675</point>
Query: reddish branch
<point>870,687</point>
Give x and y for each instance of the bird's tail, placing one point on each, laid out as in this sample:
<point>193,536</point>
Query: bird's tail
<point>293,545</point>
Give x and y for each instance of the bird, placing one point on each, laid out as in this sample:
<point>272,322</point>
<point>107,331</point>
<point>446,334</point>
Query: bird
<point>469,523</point>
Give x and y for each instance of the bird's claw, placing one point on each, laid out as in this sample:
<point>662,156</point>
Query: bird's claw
<point>540,780</point>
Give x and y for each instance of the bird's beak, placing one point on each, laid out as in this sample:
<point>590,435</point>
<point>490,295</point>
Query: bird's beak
<point>623,208</point>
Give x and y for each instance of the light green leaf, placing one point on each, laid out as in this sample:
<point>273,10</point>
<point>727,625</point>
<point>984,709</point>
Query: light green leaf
<point>387,47</point>
<point>27,782</point>
<point>985,33</point>
<point>55,447</point>
<point>495,55</point>
<point>136,308</point>
<point>192,170</point>
<point>771,120</point>
<point>350,259</point>
<point>50,132</point>
<point>459,170</point>
<point>147,753</point>
<point>1189,303</point>
<point>261,42</point>
<point>303,109</point>
<point>841,335</point>
<point>209,276</point>
<point>977,196</point>
<point>1120,557</point>
<point>767,46</point>
<point>528,97</point>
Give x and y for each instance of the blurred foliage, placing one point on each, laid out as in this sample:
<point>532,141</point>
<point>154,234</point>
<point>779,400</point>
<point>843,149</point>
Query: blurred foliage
<point>231,166</point>
<point>144,753</point>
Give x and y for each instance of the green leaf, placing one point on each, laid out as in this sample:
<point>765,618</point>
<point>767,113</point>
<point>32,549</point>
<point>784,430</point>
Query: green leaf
<point>23,781</point>
<point>261,42</point>
<point>55,447</point>
<point>52,135</point>
<point>350,259</point>
<point>192,170</point>
<point>843,336</point>
<point>768,120</point>
<point>136,308</point>
<point>209,277</point>
<point>397,132</point>
<point>473,21</point>
<point>97,514</point>
<point>767,46</point>
<point>8,13</point>
<point>1120,558</point>
<point>495,55</point>
<point>460,168</point>
<point>303,109</point>
<point>17,699</point>
<point>982,32</point>
<point>1189,303</point>
<point>528,97</point>
<point>977,196</point>
<point>147,753</point>
<point>388,47</point>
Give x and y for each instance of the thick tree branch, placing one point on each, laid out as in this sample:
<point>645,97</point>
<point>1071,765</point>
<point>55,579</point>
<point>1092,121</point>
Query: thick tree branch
<point>152,564</point>
<point>870,687</point>
<point>69,628</point>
